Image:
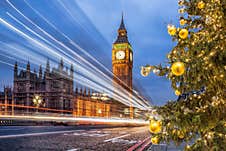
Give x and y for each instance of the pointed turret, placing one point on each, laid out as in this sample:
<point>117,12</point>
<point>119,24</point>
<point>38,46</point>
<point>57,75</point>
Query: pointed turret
<point>28,71</point>
<point>89,93</point>
<point>47,66</point>
<point>28,67</point>
<point>15,70</point>
<point>40,72</point>
<point>80,91</point>
<point>61,65</point>
<point>47,71</point>
<point>76,90</point>
<point>72,71</point>
<point>84,92</point>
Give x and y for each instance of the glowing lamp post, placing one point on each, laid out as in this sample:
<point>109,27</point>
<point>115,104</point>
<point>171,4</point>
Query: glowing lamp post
<point>37,101</point>
<point>99,111</point>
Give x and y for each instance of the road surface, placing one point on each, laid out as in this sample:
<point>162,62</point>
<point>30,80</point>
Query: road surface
<point>70,138</point>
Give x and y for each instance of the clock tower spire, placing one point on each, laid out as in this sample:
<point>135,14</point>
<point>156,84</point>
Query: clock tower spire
<point>122,61</point>
<point>122,33</point>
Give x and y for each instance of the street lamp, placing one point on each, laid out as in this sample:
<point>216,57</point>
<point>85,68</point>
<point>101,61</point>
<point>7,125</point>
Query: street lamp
<point>99,111</point>
<point>37,101</point>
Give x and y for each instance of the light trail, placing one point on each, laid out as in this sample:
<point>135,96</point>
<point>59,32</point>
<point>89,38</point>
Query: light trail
<point>71,41</point>
<point>75,45</point>
<point>103,83</point>
<point>98,79</point>
<point>80,119</point>
<point>33,107</point>
<point>67,38</point>
<point>111,139</point>
<point>57,42</point>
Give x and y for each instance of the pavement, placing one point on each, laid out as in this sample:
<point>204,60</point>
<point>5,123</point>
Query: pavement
<point>70,138</point>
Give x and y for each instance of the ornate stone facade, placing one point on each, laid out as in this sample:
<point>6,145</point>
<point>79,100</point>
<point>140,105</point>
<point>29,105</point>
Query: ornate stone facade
<point>55,86</point>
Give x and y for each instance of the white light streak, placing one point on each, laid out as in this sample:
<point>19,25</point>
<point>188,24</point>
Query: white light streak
<point>89,75</point>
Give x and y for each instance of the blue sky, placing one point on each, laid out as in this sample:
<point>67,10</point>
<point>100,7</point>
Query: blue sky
<point>93,25</point>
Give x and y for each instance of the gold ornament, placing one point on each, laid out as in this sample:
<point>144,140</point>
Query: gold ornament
<point>201,5</point>
<point>177,92</point>
<point>155,126</point>
<point>181,2</point>
<point>155,140</point>
<point>183,33</point>
<point>178,68</point>
<point>181,11</point>
<point>180,134</point>
<point>183,22</point>
<point>187,147</point>
<point>145,71</point>
<point>171,30</point>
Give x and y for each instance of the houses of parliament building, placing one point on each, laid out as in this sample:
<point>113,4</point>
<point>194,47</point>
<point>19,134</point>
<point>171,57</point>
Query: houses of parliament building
<point>56,89</point>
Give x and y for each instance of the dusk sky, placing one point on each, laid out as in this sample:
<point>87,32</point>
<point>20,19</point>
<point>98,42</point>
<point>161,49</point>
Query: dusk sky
<point>92,24</point>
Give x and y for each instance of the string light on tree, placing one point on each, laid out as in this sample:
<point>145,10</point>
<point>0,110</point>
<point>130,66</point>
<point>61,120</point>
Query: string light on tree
<point>177,92</point>
<point>183,22</point>
<point>171,29</point>
<point>201,5</point>
<point>155,140</point>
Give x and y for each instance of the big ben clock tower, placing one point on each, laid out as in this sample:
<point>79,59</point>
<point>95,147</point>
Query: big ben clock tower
<point>122,61</point>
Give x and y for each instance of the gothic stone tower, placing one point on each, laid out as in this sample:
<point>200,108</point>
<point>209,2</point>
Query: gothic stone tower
<point>122,61</point>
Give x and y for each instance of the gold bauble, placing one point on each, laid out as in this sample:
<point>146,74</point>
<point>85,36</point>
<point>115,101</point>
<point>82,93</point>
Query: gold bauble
<point>178,68</point>
<point>183,33</point>
<point>145,71</point>
<point>155,126</point>
<point>172,30</point>
<point>180,134</point>
<point>187,148</point>
<point>177,92</point>
<point>201,5</point>
<point>155,140</point>
<point>183,22</point>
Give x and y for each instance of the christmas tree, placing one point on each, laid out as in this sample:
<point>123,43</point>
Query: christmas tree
<point>197,70</point>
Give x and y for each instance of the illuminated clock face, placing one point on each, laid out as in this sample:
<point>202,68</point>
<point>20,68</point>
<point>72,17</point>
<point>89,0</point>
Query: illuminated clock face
<point>120,55</point>
<point>131,56</point>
